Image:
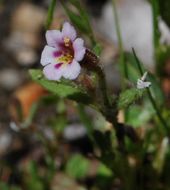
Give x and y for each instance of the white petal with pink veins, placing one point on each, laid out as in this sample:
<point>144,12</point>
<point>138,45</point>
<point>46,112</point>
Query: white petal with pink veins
<point>47,55</point>
<point>79,49</point>
<point>54,38</point>
<point>72,70</point>
<point>53,73</point>
<point>69,31</point>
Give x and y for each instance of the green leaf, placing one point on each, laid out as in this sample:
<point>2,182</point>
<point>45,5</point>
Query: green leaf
<point>139,115</point>
<point>63,89</point>
<point>156,89</point>
<point>77,167</point>
<point>50,14</point>
<point>76,19</point>
<point>132,69</point>
<point>128,97</point>
<point>28,121</point>
<point>33,180</point>
<point>33,169</point>
<point>83,14</point>
<point>104,171</point>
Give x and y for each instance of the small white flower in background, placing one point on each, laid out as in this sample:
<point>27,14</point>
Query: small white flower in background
<point>141,83</point>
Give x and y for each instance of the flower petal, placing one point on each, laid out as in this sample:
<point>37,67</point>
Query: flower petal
<point>79,49</point>
<point>52,72</point>
<point>54,38</point>
<point>69,31</point>
<point>141,84</point>
<point>72,70</point>
<point>47,55</point>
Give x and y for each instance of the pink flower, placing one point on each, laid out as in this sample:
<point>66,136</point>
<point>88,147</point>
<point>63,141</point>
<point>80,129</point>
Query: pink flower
<point>62,53</point>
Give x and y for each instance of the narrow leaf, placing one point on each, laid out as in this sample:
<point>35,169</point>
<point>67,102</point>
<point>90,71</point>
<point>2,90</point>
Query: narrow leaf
<point>50,13</point>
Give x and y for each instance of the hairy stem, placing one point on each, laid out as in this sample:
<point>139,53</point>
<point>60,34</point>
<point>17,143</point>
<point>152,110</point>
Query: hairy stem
<point>103,86</point>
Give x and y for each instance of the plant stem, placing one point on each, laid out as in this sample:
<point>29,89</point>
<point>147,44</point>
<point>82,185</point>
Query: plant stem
<point>28,121</point>
<point>117,26</point>
<point>50,13</point>
<point>156,33</point>
<point>158,112</point>
<point>108,109</point>
<point>123,67</point>
<point>103,85</point>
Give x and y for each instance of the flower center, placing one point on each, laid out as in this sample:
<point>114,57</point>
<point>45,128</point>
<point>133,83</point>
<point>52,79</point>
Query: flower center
<point>65,58</point>
<point>67,51</point>
<point>66,54</point>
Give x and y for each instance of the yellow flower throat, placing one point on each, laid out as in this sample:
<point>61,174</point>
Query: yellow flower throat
<point>66,56</point>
